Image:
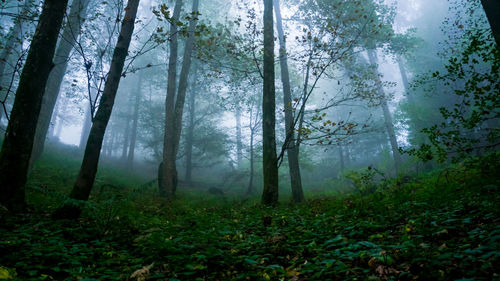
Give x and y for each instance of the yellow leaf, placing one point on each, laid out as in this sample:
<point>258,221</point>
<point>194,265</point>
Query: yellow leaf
<point>6,273</point>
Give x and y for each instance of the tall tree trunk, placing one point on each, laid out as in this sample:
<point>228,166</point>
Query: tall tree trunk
<point>87,124</point>
<point>167,177</point>
<point>190,135</point>
<point>492,9</point>
<point>86,176</point>
<point>292,149</point>
<point>173,136</point>
<point>389,125</point>
<point>135,120</point>
<point>239,144</point>
<point>13,39</point>
<point>70,34</point>
<point>18,142</point>
<point>270,162</point>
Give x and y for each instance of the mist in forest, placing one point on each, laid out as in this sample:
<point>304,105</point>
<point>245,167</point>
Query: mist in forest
<point>269,103</point>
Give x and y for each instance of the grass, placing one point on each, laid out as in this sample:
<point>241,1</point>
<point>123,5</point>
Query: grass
<point>443,226</point>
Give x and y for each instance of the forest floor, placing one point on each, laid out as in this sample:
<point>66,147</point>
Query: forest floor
<point>441,226</point>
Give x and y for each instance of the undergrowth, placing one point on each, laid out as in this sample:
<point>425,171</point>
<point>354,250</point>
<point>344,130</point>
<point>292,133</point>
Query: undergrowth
<point>442,226</point>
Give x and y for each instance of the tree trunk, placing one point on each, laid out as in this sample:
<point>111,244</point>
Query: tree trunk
<point>239,144</point>
<point>168,169</point>
<point>387,116</point>
<point>13,37</point>
<point>270,162</point>
<point>135,120</point>
<point>173,136</point>
<point>492,9</point>
<point>18,142</point>
<point>292,150</point>
<point>86,176</point>
<point>190,135</point>
<point>70,34</point>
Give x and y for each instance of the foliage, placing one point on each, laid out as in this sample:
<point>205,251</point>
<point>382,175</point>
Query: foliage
<point>472,78</point>
<point>443,226</point>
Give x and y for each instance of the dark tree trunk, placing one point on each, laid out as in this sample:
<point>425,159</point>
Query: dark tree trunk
<point>18,142</point>
<point>86,176</point>
<point>239,144</point>
<point>190,135</point>
<point>168,179</point>
<point>70,34</point>
<point>13,39</point>
<point>389,125</point>
<point>270,161</point>
<point>173,136</point>
<point>292,150</point>
<point>135,120</point>
<point>492,9</point>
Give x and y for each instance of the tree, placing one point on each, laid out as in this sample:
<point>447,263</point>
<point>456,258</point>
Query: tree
<point>86,176</point>
<point>492,9</point>
<point>70,34</point>
<point>270,159</point>
<point>166,174</point>
<point>135,120</point>
<point>16,149</point>
<point>292,149</point>
<point>173,119</point>
<point>13,39</point>
<point>387,114</point>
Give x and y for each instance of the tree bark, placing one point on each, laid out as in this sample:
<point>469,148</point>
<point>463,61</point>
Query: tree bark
<point>18,142</point>
<point>270,162</point>
<point>135,120</point>
<point>70,34</point>
<point>173,132</point>
<point>292,149</point>
<point>167,168</point>
<point>13,37</point>
<point>492,9</point>
<point>86,176</point>
<point>389,125</point>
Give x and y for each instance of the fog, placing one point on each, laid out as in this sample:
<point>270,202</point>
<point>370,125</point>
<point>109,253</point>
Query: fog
<point>226,81</point>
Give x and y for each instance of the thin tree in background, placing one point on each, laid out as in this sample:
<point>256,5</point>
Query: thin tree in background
<point>16,149</point>
<point>71,32</point>
<point>387,115</point>
<point>86,176</point>
<point>135,120</point>
<point>13,39</point>
<point>270,160</point>
<point>292,149</point>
